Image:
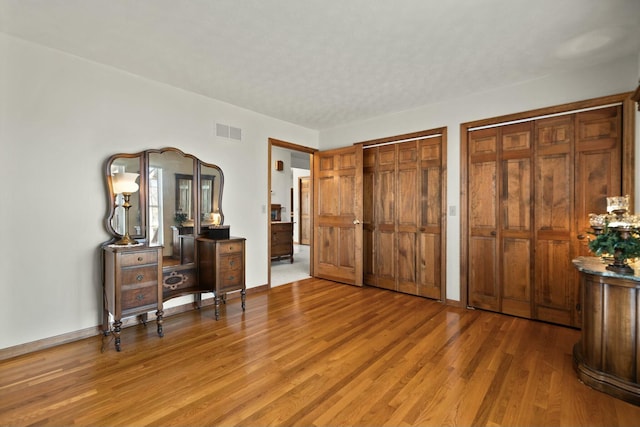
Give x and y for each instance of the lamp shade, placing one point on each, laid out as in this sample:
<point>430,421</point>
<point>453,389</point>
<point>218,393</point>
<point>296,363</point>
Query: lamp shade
<point>124,182</point>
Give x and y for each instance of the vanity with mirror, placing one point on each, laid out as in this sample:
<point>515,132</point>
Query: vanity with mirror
<point>169,235</point>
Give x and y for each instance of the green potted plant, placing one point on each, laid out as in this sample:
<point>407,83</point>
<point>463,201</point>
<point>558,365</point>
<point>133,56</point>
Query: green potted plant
<point>620,243</point>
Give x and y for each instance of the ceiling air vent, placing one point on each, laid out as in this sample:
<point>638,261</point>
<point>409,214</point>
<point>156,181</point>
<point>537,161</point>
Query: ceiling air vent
<point>229,132</point>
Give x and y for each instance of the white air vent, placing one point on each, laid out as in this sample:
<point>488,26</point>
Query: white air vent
<point>235,133</point>
<point>230,132</point>
<point>222,130</point>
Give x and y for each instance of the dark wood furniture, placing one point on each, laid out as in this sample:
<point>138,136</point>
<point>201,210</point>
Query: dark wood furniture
<point>178,203</point>
<point>607,357</point>
<point>131,285</point>
<point>282,240</point>
<point>221,267</point>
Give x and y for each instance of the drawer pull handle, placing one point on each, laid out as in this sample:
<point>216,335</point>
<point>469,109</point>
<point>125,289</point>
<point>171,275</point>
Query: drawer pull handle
<point>140,297</point>
<point>140,258</point>
<point>231,277</point>
<point>231,263</point>
<point>139,277</point>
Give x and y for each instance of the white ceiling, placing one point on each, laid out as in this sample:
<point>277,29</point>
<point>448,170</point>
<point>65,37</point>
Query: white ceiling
<point>323,63</point>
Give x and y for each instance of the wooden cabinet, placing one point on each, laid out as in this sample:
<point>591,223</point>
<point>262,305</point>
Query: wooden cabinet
<point>607,357</point>
<point>282,240</point>
<point>403,216</point>
<point>531,187</point>
<point>131,285</point>
<point>221,268</point>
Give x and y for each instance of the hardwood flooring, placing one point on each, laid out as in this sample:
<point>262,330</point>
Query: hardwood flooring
<point>314,353</point>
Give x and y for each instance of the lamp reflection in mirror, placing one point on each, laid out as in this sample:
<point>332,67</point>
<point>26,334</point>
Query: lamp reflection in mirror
<point>125,183</point>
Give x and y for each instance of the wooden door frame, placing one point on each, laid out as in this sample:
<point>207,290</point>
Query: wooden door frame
<point>272,142</point>
<point>628,162</point>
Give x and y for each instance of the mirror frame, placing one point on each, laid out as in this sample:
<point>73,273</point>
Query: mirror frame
<point>144,191</point>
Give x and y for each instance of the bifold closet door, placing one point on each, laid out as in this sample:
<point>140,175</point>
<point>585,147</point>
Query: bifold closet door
<point>402,231</point>
<point>500,241</point>
<point>531,188</point>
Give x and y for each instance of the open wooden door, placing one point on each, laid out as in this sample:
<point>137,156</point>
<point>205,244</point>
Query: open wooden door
<point>337,232</point>
<point>304,209</point>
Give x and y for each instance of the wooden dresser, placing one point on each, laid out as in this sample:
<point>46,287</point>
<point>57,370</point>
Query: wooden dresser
<point>131,285</point>
<point>221,267</point>
<point>282,240</point>
<point>607,357</point>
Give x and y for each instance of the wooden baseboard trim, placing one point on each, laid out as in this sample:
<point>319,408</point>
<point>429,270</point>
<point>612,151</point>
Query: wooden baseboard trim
<point>33,346</point>
<point>30,347</point>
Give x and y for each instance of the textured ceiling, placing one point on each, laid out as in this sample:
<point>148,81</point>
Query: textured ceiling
<point>323,63</point>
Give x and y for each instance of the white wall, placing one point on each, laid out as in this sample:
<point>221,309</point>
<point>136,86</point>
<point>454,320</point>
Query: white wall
<point>618,77</point>
<point>60,118</point>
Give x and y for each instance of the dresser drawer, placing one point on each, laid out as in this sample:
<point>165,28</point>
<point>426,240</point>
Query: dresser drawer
<point>230,247</point>
<point>139,275</point>
<point>134,296</point>
<point>139,258</point>
<point>230,263</point>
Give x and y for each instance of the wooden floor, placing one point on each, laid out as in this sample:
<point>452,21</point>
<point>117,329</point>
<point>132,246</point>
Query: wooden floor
<point>314,353</point>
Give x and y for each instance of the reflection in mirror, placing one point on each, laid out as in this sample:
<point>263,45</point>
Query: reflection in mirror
<point>211,181</point>
<point>170,206</point>
<point>117,219</point>
<point>184,193</point>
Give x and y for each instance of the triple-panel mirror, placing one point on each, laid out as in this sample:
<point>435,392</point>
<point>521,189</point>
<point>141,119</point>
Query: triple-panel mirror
<point>179,196</point>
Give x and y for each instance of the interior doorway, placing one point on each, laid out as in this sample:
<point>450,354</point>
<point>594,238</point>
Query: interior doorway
<point>290,247</point>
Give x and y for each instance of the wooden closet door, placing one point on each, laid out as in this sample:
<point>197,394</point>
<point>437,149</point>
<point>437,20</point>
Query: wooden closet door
<point>515,228</point>
<point>385,218</point>
<point>407,219</point>
<point>531,187</point>
<point>431,218</point>
<point>598,174</point>
<point>554,213</point>
<point>369,186</point>
<point>484,289</point>
<point>337,215</point>
<point>403,235</point>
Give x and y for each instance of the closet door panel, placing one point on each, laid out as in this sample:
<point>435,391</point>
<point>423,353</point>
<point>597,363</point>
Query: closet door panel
<point>429,272</point>
<point>407,254</point>
<point>515,256</point>
<point>368,216</point>
<point>484,289</point>
<point>407,217</point>
<point>385,214</point>
<point>554,282</point>
<point>386,259</point>
<point>516,277</point>
<point>598,165</point>
<point>554,277</point>
<point>430,246</point>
